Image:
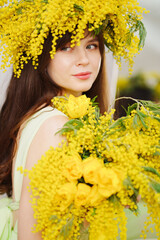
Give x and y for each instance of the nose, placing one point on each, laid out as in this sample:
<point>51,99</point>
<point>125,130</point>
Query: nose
<point>81,57</point>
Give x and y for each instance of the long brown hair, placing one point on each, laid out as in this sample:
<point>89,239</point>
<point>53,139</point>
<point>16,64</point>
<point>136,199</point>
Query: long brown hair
<point>26,94</point>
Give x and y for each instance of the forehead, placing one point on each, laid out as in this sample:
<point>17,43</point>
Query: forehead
<point>89,36</point>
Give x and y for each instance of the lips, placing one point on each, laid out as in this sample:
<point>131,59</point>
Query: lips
<point>83,75</point>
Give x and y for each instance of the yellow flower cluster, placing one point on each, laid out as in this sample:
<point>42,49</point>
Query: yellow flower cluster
<point>73,107</point>
<point>103,167</point>
<point>105,182</point>
<point>25,25</point>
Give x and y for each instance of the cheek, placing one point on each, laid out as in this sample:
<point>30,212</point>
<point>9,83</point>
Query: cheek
<point>50,69</point>
<point>97,62</point>
<point>54,69</point>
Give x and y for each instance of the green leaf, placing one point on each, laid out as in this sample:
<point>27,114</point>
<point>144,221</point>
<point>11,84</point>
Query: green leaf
<point>156,186</point>
<point>152,170</point>
<point>128,183</point>
<point>156,153</point>
<point>142,34</point>
<point>135,121</point>
<point>78,8</point>
<point>118,122</point>
<point>54,218</point>
<point>93,100</point>
<point>69,15</point>
<point>94,212</point>
<point>98,30</point>
<point>19,11</point>
<point>65,230</point>
<point>136,26</point>
<point>141,117</point>
<point>71,125</point>
<point>85,154</point>
<point>114,199</point>
<point>97,113</point>
<point>157,118</point>
<point>152,106</point>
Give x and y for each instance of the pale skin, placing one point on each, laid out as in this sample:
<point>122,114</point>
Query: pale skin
<point>44,138</point>
<point>84,60</point>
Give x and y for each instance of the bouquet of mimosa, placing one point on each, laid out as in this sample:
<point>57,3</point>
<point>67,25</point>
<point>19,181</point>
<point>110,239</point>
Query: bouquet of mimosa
<point>80,190</point>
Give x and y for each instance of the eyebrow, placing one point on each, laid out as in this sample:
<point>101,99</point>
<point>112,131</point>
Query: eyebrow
<point>93,39</point>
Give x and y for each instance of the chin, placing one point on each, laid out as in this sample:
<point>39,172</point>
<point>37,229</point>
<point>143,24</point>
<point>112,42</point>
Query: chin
<point>87,87</point>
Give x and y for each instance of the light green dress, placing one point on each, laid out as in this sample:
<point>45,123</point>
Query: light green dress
<point>7,231</point>
<point>136,224</point>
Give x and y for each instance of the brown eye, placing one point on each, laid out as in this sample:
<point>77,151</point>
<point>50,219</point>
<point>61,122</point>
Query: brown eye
<point>92,46</point>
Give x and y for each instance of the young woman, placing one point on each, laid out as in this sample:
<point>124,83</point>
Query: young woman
<point>27,121</point>
<point>73,70</point>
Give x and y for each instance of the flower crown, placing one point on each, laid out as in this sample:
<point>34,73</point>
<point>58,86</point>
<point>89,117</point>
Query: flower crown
<point>25,24</point>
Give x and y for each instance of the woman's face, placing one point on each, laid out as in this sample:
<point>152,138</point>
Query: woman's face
<point>75,69</point>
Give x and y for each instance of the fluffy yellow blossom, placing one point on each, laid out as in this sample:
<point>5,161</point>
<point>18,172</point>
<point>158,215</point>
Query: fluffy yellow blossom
<point>25,24</point>
<point>104,165</point>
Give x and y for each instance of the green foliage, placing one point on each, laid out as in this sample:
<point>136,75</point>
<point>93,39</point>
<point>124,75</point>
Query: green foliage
<point>19,11</point>
<point>114,199</point>
<point>71,125</point>
<point>94,212</point>
<point>93,100</point>
<point>155,186</point>
<point>152,170</point>
<point>119,123</point>
<point>85,154</point>
<point>128,183</point>
<point>65,230</point>
<point>142,34</point>
<point>78,8</point>
<point>141,116</point>
<point>110,28</point>
<point>152,106</point>
<point>54,218</point>
<point>157,153</point>
<point>131,108</point>
<point>97,113</point>
<point>136,26</point>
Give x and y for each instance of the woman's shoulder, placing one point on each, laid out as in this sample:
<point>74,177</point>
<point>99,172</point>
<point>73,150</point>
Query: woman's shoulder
<point>43,116</point>
<point>46,135</point>
<point>46,112</point>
